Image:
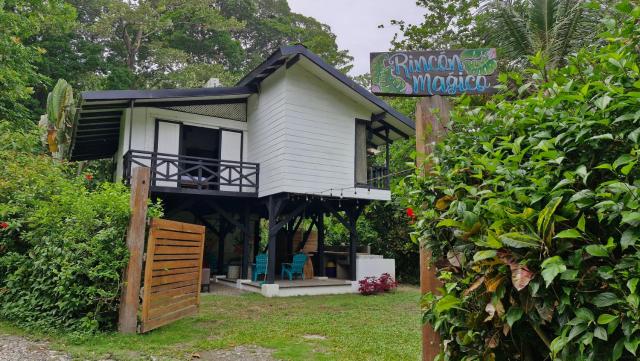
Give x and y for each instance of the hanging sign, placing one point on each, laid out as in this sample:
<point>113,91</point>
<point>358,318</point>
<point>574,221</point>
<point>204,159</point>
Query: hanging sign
<point>424,73</point>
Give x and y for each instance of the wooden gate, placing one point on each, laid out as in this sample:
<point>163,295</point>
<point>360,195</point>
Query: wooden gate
<point>172,272</point>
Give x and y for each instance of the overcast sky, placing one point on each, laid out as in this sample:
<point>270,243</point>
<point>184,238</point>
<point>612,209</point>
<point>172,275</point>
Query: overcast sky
<point>355,23</point>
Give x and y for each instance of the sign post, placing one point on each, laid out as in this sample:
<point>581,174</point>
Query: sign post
<point>432,75</point>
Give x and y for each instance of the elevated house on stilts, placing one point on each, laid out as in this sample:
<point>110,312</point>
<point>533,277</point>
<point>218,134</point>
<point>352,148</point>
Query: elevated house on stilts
<point>286,146</point>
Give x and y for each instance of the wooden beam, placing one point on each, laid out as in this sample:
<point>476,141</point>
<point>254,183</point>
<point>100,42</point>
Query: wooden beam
<point>222,234</point>
<point>319,267</point>
<point>256,238</point>
<point>278,226</point>
<point>306,235</point>
<point>210,225</point>
<point>129,299</point>
<point>227,216</point>
<point>274,206</point>
<point>430,128</point>
<point>380,118</point>
<point>244,271</point>
<point>353,216</point>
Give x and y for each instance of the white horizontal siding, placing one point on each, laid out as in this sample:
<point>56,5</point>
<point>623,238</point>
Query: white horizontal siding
<point>320,149</point>
<point>267,136</point>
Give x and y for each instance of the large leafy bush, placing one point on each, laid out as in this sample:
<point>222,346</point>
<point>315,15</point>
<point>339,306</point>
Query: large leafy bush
<point>62,248</point>
<point>532,211</point>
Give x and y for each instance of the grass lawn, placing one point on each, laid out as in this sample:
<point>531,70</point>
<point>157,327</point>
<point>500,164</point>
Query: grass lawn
<point>354,327</point>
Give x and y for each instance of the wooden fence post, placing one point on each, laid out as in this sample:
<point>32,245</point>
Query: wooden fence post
<point>129,299</point>
<point>432,114</point>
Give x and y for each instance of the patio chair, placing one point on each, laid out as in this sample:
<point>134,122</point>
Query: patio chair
<point>260,267</point>
<point>296,267</point>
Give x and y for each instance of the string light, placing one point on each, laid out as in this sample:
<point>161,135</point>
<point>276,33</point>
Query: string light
<point>330,190</point>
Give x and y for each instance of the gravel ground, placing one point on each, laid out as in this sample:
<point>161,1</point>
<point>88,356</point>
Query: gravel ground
<point>14,348</point>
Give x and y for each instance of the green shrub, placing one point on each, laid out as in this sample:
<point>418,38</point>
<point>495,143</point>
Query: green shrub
<point>62,248</point>
<point>532,211</point>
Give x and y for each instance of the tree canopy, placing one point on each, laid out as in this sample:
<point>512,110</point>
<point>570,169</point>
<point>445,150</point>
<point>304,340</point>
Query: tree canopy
<point>116,44</point>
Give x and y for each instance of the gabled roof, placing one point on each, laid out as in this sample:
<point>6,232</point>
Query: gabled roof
<point>97,126</point>
<point>289,55</point>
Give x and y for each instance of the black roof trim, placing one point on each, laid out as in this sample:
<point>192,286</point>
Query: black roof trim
<point>105,95</point>
<point>280,57</point>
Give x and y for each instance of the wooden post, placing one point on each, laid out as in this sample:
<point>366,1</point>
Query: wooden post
<point>273,209</point>
<point>245,243</point>
<point>320,266</point>
<point>353,216</point>
<point>222,235</point>
<point>256,238</point>
<point>432,115</point>
<point>129,299</point>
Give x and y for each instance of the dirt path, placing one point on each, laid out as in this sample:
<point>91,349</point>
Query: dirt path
<point>14,348</point>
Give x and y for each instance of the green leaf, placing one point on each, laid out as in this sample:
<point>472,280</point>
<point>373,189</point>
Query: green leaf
<point>449,223</point>
<point>482,255</point>
<point>569,233</point>
<point>551,267</point>
<point>602,102</point>
<point>513,315</point>
<point>632,345</point>
<point>608,136</point>
<point>606,318</point>
<point>622,160</point>
<point>600,333</point>
<point>585,314</point>
<point>633,136</point>
<point>520,240</point>
<point>629,238</point>
<point>618,349</point>
<point>632,218</point>
<point>605,299</point>
<point>627,168</point>
<point>446,303</point>
<point>577,330</point>
<point>632,284</point>
<point>545,216</point>
<point>581,223</point>
<point>597,250</point>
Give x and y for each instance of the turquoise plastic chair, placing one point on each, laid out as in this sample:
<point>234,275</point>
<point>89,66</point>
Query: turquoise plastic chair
<point>295,268</point>
<point>260,267</point>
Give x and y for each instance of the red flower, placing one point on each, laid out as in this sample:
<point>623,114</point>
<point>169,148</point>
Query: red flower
<point>88,177</point>
<point>410,213</point>
<point>4,225</point>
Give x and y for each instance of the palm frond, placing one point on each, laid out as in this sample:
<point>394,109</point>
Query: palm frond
<point>511,32</point>
<point>573,29</point>
<point>542,18</point>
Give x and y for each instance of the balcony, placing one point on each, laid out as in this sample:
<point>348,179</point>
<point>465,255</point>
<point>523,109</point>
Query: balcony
<point>171,173</point>
<point>377,178</point>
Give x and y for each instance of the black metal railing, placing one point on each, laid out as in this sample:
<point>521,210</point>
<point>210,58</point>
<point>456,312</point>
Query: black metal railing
<point>180,173</point>
<point>378,177</point>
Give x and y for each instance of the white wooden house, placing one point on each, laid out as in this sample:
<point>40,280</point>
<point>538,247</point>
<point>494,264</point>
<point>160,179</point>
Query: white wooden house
<point>291,140</point>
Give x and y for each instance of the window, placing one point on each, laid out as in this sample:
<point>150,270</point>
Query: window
<point>361,152</point>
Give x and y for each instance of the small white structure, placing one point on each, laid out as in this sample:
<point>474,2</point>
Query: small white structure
<point>288,141</point>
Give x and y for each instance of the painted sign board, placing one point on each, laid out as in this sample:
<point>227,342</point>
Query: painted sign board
<point>425,73</point>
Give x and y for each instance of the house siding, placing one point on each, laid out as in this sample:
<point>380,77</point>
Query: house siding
<point>320,148</point>
<point>266,135</point>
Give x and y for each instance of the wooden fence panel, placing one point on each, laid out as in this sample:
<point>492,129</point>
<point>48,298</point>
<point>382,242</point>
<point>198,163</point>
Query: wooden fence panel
<point>172,272</point>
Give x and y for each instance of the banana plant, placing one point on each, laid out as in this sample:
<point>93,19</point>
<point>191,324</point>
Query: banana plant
<point>59,118</point>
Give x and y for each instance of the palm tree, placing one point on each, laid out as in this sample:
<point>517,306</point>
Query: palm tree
<point>556,28</point>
